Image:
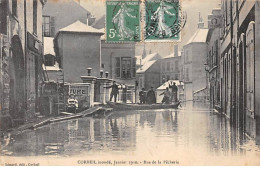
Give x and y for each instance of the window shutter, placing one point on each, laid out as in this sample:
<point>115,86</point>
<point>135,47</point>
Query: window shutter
<point>52,27</point>
<point>133,67</point>
<point>117,67</point>
<point>3,17</point>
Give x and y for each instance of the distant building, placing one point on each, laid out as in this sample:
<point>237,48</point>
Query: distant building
<point>149,73</point>
<point>58,14</point>
<point>142,59</point>
<point>213,59</point>
<point>194,58</point>
<point>239,65</point>
<point>119,61</point>
<point>77,47</point>
<point>170,67</point>
<point>55,18</point>
<point>21,73</point>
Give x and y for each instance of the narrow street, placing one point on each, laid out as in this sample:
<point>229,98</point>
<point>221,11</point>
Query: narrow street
<point>191,130</point>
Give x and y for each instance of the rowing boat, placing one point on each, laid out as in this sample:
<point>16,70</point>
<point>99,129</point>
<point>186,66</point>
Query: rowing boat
<point>124,106</point>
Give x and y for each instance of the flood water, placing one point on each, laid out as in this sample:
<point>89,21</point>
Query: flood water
<point>194,129</point>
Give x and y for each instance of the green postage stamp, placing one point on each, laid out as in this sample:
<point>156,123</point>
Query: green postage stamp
<point>123,21</point>
<point>162,20</point>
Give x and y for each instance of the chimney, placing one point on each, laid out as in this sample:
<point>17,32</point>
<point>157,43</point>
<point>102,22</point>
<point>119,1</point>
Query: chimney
<point>175,50</point>
<point>91,19</point>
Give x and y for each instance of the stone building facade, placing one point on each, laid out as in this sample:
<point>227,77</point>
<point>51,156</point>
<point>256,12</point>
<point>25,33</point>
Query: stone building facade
<point>193,60</point>
<point>78,47</point>
<point>119,61</point>
<point>212,65</point>
<point>21,60</point>
<point>239,62</point>
<point>170,67</point>
<point>54,13</point>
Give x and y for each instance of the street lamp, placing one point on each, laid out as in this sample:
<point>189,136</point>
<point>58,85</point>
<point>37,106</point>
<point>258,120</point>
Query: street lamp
<point>206,67</point>
<point>89,71</point>
<point>101,73</point>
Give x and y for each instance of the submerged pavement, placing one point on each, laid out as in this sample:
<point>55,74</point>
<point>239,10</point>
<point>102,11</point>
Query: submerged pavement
<point>190,134</point>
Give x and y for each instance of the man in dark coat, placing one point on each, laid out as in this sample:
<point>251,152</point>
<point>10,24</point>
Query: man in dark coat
<point>114,91</point>
<point>142,96</point>
<point>174,91</point>
<point>150,98</point>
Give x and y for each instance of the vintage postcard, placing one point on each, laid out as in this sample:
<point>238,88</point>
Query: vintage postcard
<point>129,82</point>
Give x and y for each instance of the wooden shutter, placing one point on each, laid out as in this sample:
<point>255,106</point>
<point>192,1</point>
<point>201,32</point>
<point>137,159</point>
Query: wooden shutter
<point>133,67</point>
<point>52,26</point>
<point>117,67</point>
<point>250,70</point>
<point>3,16</point>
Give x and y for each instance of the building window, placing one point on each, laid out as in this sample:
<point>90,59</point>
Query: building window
<point>187,74</point>
<point>125,67</point>
<point>35,16</point>
<point>3,16</point>
<point>177,66</point>
<point>168,77</point>
<point>14,7</point>
<point>49,60</point>
<point>216,54</point>
<point>133,67</point>
<point>141,84</point>
<point>46,26</point>
<point>117,67</point>
<point>176,77</point>
<point>187,57</point>
<point>168,66</point>
<point>163,67</point>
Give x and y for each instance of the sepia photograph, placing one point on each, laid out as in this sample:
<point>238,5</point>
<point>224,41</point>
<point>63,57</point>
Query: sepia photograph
<point>129,83</point>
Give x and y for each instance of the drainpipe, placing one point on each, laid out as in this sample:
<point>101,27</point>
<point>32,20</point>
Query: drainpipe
<point>232,57</point>
<point>25,55</point>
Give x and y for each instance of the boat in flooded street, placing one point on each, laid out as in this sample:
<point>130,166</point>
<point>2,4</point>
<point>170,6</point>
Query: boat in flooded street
<point>124,106</point>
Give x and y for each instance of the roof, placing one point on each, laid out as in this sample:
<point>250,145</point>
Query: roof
<point>80,27</point>
<point>169,56</point>
<point>99,23</point>
<point>166,84</point>
<point>48,46</point>
<point>172,56</point>
<point>199,36</point>
<point>153,56</point>
<point>103,36</point>
<point>150,57</point>
<point>146,66</point>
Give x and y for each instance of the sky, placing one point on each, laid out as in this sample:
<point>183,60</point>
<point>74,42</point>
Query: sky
<point>192,8</point>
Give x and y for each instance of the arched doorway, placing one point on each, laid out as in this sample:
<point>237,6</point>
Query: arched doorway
<point>241,83</point>
<point>17,80</point>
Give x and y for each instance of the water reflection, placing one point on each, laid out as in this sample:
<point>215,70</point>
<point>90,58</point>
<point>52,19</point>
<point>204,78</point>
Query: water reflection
<point>194,127</point>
